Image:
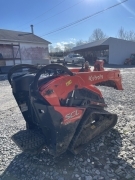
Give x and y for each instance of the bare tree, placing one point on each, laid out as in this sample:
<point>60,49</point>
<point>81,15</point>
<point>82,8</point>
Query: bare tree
<point>122,33</point>
<point>61,49</point>
<point>80,42</point>
<point>51,48</point>
<point>126,35</point>
<point>131,35</point>
<point>69,46</point>
<point>97,34</point>
<point>57,49</point>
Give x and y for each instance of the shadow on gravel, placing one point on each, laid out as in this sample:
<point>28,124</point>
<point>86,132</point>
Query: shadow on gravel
<point>99,160</point>
<point>3,77</point>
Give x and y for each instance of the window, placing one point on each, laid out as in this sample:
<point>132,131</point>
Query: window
<point>76,55</point>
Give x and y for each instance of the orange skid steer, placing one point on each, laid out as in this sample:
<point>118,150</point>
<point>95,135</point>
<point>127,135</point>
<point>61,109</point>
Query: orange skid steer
<point>63,108</point>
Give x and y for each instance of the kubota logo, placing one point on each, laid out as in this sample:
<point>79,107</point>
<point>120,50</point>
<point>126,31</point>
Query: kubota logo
<point>93,78</point>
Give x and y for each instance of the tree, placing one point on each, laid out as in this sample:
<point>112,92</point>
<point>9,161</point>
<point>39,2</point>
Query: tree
<point>61,49</point>
<point>51,49</point>
<point>126,35</point>
<point>97,34</point>
<point>80,42</point>
<point>68,47</point>
<point>122,33</point>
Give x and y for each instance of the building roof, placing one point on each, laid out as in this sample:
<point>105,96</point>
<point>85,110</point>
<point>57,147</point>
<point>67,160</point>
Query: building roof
<point>17,36</point>
<point>106,41</point>
<point>91,44</point>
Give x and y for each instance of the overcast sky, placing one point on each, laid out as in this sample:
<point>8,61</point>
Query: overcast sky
<point>49,15</point>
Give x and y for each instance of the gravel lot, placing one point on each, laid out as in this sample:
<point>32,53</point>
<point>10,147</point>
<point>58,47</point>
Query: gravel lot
<point>110,157</point>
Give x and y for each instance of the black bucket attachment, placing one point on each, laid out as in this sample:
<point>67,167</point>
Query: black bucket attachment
<point>93,124</point>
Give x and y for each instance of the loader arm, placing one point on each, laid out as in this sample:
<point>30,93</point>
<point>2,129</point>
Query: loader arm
<point>111,78</point>
<point>99,76</point>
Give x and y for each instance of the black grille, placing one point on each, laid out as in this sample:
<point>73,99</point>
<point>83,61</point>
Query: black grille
<point>88,94</point>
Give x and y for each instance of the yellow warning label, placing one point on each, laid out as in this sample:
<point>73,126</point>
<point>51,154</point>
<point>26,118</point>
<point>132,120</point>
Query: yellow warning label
<point>68,83</point>
<point>93,127</point>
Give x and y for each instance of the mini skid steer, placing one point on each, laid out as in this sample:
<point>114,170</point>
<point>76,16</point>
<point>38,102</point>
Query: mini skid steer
<point>63,108</point>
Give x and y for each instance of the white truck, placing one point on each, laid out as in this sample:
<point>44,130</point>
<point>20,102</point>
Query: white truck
<point>74,59</point>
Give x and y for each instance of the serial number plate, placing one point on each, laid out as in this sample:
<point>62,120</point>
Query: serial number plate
<point>23,107</point>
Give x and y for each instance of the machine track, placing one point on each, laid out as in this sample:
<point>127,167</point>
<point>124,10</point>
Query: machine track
<point>93,124</point>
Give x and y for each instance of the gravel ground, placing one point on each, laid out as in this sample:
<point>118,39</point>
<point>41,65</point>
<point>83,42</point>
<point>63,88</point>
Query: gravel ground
<point>110,157</point>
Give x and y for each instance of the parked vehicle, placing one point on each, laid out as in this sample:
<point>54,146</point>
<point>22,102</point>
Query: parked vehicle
<point>74,59</point>
<point>130,61</point>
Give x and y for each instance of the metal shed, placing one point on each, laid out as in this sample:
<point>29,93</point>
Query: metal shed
<point>114,50</point>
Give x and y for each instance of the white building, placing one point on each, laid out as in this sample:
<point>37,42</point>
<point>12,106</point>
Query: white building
<point>115,50</point>
<point>22,48</point>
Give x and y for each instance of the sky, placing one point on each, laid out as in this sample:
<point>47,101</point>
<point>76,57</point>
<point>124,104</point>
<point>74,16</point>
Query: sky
<point>50,15</point>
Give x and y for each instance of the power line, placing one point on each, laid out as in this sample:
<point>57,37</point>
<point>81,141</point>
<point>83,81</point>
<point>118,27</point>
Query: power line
<point>60,12</point>
<point>78,21</point>
<point>44,12</point>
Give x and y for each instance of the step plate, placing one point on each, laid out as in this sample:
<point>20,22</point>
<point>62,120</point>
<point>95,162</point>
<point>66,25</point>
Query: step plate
<point>29,141</point>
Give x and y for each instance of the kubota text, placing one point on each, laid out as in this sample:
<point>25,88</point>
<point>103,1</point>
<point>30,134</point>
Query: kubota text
<point>93,78</point>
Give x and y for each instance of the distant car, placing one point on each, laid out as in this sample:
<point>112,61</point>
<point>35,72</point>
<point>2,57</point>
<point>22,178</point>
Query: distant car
<point>58,60</point>
<point>74,59</point>
<point>130,61</point>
